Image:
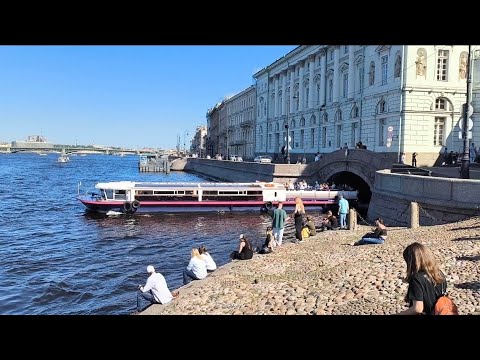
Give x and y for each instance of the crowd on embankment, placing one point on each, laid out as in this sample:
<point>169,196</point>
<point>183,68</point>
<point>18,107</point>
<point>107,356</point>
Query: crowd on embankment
<point>325,275</point>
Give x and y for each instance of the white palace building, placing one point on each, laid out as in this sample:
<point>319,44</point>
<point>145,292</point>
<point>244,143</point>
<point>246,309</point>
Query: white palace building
<point>391,98</point>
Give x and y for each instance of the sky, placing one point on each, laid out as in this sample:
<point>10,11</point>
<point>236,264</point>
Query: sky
<point>126,96</point>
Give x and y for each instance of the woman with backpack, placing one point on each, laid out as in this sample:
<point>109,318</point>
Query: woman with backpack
<point>426,283</point>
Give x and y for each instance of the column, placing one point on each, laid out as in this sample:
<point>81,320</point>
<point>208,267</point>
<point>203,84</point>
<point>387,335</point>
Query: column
<point>275,100</point>
<point>284,92</point>
<point>323,74</point>
<point>310,82</point>
<point>292,85</point>
<point>351,72</point>
<point>336,74</point>
<point>300,89</point>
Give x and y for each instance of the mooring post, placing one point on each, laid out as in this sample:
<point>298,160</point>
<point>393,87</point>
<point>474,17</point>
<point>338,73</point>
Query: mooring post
<point>414,215</point>
<point>352,219</point>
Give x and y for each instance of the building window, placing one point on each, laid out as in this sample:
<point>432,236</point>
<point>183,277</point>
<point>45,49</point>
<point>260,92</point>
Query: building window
<point>297,102</point>
<point>382,132</point>
<point>441,104</point>
<point>330,90</point>
<point>318,93</point>
<point>360,79</point>
<point>384,69</point>
<point>312,137</point>
<point>325,118</point>
<point>307,94</point>
<point>324,137</point>
<point>345,49</point>
<point>261,141</point>
<point>442,65</point>
<point>331,54</point>
<point>302,121</point>
<point>302,137</point>
<point>338,116</point>
<point>339,136</point>
<point>269,141</point>
<point>355,133</point>
<point>371,79</point>
<point>345,85</point>
<point>382,107</point>
<point>439,131</point>
<point>292,136</point>
<point>355,112</point>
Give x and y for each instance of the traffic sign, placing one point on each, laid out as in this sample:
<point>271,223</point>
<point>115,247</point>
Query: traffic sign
<point>470,123</point>
<point>289,138</point>
<point>390,128</point>
<point>389,143</point>
<point>470,110</point>
<point>469,135</point>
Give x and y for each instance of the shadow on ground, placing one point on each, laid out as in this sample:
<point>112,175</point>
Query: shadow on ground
<point>469,258</point>
<point>466,238</point>
<point>472,285</point>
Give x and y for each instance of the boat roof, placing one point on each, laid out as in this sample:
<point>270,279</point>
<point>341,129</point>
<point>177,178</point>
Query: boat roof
<point>123,185</point>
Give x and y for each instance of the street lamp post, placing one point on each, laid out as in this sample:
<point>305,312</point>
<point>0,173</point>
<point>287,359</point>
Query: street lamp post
<point>185,134</point>
<point>286,140</point>
<point>465,170</point>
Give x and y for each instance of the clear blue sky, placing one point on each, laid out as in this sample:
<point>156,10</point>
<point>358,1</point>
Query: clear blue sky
<point>129,96</point>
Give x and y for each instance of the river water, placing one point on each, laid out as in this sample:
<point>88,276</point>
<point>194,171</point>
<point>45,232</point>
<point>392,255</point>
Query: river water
<point>55,258</point>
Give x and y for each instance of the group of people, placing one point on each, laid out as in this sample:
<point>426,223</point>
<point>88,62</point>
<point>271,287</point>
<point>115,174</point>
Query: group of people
<point>156,291</point>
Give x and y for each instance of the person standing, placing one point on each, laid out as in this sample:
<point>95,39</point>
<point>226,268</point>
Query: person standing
<point>425,280</point>
<point>278,222</point>
<point>298,216</point>
<point>155,290</point>
<point>343,208</point>
<point>471,152</point>
<point>403,159</point>
<point>414,159</point>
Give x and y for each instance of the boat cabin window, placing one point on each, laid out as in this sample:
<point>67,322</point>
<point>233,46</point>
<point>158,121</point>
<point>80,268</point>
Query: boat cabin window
<point>232,195</point>
<point>108,194</point>
<point>166,195</point>
<point>120,194</point>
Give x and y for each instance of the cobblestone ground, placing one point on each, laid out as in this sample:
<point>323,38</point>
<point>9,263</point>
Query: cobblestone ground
<point>325,275</point>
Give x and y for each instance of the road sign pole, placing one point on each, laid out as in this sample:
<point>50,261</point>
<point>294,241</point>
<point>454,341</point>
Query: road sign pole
<point>465,171</point>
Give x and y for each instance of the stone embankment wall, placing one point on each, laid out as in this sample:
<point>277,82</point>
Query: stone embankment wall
<point>441,200</point>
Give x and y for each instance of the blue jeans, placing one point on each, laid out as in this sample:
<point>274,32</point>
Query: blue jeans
<point>188,276</point>
<point>364,241</point>
<point>343,220</point>
<point>144,296</point>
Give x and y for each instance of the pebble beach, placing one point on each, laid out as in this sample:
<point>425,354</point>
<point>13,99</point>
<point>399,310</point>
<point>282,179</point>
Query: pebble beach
<point>324,275</point>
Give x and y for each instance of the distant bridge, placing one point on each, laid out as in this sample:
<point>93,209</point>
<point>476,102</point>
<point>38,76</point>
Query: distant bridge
<point>80,150</point>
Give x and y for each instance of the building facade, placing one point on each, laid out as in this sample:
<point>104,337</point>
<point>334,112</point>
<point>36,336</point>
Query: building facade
<point>240,111</point>
<point>213,130</point>
<point>198,145</point>
<point>391,98</point>
<point>33,142</point>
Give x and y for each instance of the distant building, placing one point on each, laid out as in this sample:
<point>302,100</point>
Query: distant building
<point>33,142</point>
<point>199,141</point>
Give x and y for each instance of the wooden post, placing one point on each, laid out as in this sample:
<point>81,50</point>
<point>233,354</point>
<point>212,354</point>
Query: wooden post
<point>414,215</point>
<point>352,219</point>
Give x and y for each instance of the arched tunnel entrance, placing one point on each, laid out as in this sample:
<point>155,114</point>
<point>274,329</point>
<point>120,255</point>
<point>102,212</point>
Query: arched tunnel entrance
<point>347,179</point>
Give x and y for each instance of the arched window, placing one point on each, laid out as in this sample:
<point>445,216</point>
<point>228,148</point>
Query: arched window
<point>325,118</point>
<point>277,127</point>
<point>355,112</point>
<point>441,104</point>
<point>269,127</point>
<point>292,123</point>
<point>313,120</point>
<point>338,116</point>
<point>371,79</point>
<point>382,107</point>
<point>302,121</point>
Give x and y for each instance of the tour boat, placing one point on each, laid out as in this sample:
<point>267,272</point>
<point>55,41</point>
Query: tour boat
<point>148,197</point>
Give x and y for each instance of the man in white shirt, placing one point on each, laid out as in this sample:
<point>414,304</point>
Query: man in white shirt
<point>155,290</point>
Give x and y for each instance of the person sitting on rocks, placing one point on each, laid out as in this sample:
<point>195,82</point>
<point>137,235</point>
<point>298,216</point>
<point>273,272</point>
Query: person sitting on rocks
<point>270,242</point>
<point>245,250</point>
<point>196,269</point>
<point>378,236</point>
<point>330,222</point>
<point>211,266</point>
<point>155,290</point>
<point>310,225</point>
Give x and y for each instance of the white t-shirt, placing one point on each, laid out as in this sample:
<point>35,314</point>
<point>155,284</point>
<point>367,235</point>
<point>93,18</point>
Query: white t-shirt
<point>198,266</point>
<point>156,282</point>
<point>210,263</point>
